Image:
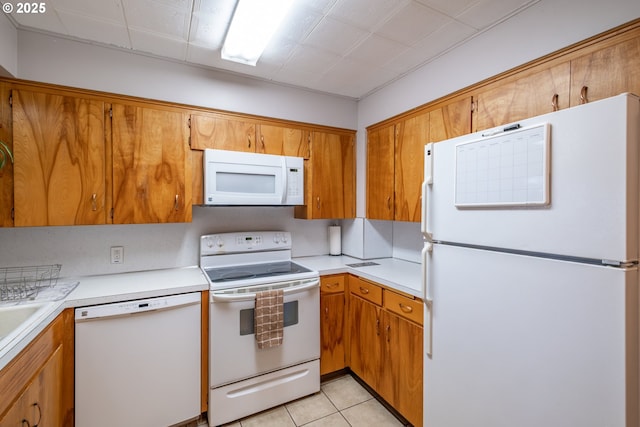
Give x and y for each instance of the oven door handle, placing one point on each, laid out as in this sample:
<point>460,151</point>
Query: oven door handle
<point>248,297</point>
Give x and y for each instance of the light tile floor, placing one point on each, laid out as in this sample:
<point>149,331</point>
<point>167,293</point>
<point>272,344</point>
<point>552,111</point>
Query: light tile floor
<point>341,402</point>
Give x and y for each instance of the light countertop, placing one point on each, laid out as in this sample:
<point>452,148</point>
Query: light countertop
<point>398,274</point>
<point>404,276</point>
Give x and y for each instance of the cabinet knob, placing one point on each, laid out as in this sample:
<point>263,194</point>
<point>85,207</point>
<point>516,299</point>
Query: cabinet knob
<point>262,141</point>
<point>554,102</point>
<point>318,202</point>
<point>249,141</point>
<point>176,204</point>
<point>364,290</point>
<point>94,202</point>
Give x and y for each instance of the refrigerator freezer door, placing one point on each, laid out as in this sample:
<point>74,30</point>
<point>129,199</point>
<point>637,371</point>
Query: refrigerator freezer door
<point>530,342</point>
<point>593,209</point>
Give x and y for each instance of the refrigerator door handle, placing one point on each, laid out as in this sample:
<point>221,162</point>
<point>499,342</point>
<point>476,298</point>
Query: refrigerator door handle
<point>428,181</point>
<point>428,297</point>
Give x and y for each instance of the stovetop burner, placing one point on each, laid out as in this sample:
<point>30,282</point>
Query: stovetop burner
<point>243,272</point>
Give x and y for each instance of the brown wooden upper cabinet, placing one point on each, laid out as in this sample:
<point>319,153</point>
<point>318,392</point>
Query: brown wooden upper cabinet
<point>283,140</point>
<point>330,184</point>
<point>222,132</point>
<point>6,173</point>
<point>606,72</point>
<point>510,100</point>
<point>395,161</point>
<point>151,165</point>
<point>59,150</point>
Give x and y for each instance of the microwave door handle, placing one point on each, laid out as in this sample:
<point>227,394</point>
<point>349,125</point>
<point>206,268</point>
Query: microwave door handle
<point>284,181</point>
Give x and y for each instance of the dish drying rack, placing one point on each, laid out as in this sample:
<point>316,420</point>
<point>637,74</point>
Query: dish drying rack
<point>19,283</point>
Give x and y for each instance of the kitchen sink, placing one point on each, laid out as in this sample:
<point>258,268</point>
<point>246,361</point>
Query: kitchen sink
<point>13,318</point>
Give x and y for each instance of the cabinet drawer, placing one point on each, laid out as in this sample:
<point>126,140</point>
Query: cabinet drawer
<point>403,306</point>
<point>332,284</point>
<point>364,289</point>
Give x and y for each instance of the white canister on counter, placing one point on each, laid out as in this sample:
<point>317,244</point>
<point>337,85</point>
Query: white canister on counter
<point>335,240</point>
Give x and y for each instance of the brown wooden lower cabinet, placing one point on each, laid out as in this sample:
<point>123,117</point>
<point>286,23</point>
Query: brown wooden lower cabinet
<point>385,345</point>
<point>37,385</point>
<point>332,314</point>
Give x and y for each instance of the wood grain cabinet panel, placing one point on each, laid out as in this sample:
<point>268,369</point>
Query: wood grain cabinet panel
<point>330,180</point>
<point>606,72</point>
<point>450,120</point>
<point>365,345</point>
<point>522,97</point>
<point>381,173</point>
<point>283,141</point>
<point>6,173</point>
<point>400,374</point>
<point>151,165</point>
<point>332,323</point>
<point>411,136</point>
<point>59,150</point>
<point>37,385</point>
<point>222,132</point>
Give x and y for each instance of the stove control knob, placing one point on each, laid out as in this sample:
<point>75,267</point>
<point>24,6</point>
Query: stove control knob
<point>276,238</point>
<point>284,238</point>
<point>219,242</point>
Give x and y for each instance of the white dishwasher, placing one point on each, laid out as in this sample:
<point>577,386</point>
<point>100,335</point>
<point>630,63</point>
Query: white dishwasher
<point>137,363</point>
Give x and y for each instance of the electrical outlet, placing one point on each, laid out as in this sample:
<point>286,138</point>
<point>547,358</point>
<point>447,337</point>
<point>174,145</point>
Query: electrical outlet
<point>117,255</point>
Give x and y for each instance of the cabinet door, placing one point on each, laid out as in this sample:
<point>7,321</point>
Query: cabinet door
<point>151,165</point>
<point>606,72</point>
<point>380,172</point>
<point>332,354</point>
<point>6,173</point>
<point>284,141</point>
<point>365,345</point>
<point>332,184</point>
<point>40,403</point>
<point>401,366</point>
<point>450,121</point>
<point>411,136</point>
<point>509,101</point>
<point>222,132</point>
<point>59,149</point>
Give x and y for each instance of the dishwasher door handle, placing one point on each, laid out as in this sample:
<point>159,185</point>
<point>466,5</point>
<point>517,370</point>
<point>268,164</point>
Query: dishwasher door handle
<point>235,297</point>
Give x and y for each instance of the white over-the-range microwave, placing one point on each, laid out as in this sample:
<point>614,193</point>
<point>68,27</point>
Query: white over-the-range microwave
<point>240,178</point>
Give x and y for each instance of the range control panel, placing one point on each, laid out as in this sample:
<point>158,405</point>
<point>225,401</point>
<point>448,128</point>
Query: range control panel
<point>255,241</point>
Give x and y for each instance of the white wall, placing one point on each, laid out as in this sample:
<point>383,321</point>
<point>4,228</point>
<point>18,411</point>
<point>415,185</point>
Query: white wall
<point>84,250</point>
<point>66,62</point>
<point>8,48</point>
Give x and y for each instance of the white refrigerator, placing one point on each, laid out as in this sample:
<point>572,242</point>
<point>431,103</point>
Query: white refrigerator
<point>530,272</point>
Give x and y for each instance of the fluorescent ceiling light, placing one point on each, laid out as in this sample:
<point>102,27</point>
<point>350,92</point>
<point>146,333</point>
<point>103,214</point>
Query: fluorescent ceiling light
<point>253,24</point>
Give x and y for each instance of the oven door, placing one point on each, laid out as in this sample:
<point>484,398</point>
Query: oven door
<point>234,353</point>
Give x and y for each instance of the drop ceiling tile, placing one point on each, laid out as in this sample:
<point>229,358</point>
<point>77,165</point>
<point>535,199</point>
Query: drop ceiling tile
<point>278,51</point>
<point>110,10</point>
<point>94,29</point>
<point>335,36</point>
<point>147,15</point>
<point>298,23</point>
<point>365,14</point>
<point>431,46</point>
<point>311,60</point>
<point>412,23</point>
<point>376,50</point>
<point>208,29</point>
<point>449,7</point>
<point>486,13</point>
<point>319,5</point>
<point>158,44</point>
